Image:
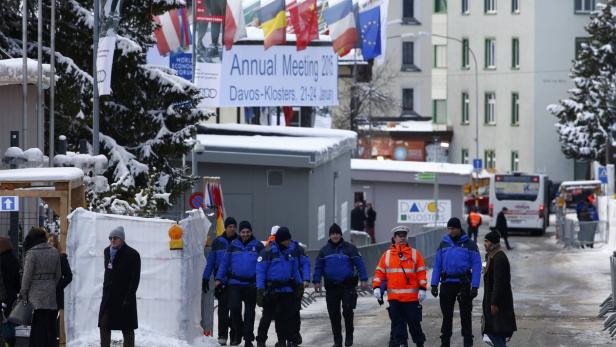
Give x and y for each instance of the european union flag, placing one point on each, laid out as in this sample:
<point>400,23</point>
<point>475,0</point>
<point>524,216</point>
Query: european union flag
<point>370,32</point>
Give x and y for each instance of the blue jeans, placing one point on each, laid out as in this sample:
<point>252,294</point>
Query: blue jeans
<point>498,340</point>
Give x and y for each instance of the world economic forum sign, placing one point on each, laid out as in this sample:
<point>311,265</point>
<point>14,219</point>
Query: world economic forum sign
<point>248,75</point>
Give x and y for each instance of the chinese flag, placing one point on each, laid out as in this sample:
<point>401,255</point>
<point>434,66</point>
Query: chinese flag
<point>305,22</point>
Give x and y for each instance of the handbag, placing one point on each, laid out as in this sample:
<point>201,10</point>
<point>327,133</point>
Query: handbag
<point>21,313</point>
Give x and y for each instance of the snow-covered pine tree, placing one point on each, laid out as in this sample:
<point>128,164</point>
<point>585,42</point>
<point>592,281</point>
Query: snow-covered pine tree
<point>146,123</point>
<point>589,114</point>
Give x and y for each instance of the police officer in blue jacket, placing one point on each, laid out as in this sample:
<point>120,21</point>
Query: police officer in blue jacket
<point>338,262</point>
<point>238,272</point>
<point>277,277</point>
<point>304,270</point>
<point>457,266</point>
<point>214,260</point>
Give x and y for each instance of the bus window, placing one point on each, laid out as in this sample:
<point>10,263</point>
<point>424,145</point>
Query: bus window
<point>524,188</point>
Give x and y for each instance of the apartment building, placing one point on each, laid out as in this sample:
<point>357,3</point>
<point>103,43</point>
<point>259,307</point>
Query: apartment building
<point>524,50</point>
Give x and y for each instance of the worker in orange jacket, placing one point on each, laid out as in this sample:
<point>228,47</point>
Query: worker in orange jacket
<point>474,222</point>
<point>404,270</point>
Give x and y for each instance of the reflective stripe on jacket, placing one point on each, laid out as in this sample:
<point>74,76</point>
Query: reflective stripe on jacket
<point>404,270</point>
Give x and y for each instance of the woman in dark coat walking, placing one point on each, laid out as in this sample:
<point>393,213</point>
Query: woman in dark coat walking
<point>12,282</point>
<point>38,286</point>
<point>67,277</point>
<point>498,314</point>
<point>118,309</point>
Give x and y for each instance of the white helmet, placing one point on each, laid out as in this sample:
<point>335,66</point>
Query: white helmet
<point>400,228</point>
<point>274,230</point>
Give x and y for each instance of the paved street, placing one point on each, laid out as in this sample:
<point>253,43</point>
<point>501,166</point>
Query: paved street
<point>557,293</point>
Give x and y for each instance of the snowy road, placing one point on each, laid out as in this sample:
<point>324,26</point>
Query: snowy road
<point>557,294</point>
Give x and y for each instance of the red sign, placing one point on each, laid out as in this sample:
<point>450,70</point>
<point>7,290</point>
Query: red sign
<point>196,200</point>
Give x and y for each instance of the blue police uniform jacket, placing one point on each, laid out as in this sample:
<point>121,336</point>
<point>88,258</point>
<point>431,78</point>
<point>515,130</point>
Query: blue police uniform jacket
<point>337,263</point>
<point>277,269</point>
<point>239,265</point>
<point>218,252</point>
<point>454,260</point>
<point>303,261</point>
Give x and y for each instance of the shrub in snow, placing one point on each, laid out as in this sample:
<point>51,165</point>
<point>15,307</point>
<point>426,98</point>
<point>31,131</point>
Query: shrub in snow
<point>587,117</point>
<point>143,123</point>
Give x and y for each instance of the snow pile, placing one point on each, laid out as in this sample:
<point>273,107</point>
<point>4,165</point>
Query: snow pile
<point>41,174</point>
<point>143,338</point>
<point>170,282</point>
<point>411,166</point>
<point>11,72</point>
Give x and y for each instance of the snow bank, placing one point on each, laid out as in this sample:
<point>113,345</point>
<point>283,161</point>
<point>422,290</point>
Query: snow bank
<point>411,166</point>
<point>169,289</point>
<point>143,338</point>
<point>41,174</point>
<point>11,72</point>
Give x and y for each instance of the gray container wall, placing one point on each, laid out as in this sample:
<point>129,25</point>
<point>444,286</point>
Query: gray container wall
<point>322,193</point>
<point>11,118</point>
<point>385,195</point>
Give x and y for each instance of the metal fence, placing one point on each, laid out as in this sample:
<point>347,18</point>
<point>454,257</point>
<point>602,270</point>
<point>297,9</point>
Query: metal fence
<point>425,242</point>
<point>609,305</point>
<point>579,234</point>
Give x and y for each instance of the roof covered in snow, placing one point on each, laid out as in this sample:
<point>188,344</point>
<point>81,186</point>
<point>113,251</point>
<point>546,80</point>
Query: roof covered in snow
<point>41,174</point>
<point>405,171</point>
<point>266,145</point>
<point>407,126</point>
<point>11,72</point>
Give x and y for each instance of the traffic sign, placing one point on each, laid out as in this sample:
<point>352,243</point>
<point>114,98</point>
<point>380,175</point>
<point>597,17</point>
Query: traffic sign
<point>602,174</point>
<point>425,176</point>
<point>196,200</point>
<point>9,203</point>
<point>477,164</point>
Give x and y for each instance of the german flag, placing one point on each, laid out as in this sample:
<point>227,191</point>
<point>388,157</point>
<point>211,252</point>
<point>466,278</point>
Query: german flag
<point>272,16</point>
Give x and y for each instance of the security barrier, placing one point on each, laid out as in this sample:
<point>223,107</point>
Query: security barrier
<point>573,233</point>
<point>609,305</point>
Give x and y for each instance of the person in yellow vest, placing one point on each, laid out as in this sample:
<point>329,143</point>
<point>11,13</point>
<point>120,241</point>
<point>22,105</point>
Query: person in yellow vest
<point>474,222</point>
<point>404,270</point>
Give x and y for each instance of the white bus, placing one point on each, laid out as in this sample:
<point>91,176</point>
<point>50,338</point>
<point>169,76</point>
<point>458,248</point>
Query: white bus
<point>526,197</point>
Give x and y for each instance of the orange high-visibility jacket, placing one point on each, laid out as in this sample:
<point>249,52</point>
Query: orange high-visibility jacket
<point>475,219</point>
<point>404,270</point>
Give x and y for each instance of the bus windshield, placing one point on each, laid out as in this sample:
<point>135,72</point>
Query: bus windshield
<point>516,187</point>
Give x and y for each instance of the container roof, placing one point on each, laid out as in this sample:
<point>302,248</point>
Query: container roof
<point>411,166</point>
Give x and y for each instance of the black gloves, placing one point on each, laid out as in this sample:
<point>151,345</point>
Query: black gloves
<point>434,291</point>
<point>205,285</point>
<point>218,291</point>
<point>260,297</point>
<point>474,293</point>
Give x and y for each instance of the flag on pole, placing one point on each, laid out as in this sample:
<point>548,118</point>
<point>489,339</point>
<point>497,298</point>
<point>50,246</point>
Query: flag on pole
<point>370,32</point>
<point>185,32</point>
<point>235,27</point>
<point>171,35</point>
<point>213,198</point>
<point>305,22</point>
<point>272,17</point>
<point>341,22</point>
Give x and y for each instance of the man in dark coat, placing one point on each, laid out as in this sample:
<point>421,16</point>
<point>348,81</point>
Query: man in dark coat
<point>501,226</point>
<point>498,314</point>
<point>358,217</point>
<point>119,304</point>
<point>370,219</point>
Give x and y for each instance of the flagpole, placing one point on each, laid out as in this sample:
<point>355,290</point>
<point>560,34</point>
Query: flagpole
<point>95,97</point>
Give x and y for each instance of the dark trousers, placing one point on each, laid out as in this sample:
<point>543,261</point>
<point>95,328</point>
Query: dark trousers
<point>403,315</point>
<point>247,295</point>
<point>297,320</point>
<point>498,340</point>
<point>224,318</point>
<point>334,297</point>
<point>277,306</point>
<point>450,292</point>
<point>505,236</point>
<point>105,333</point>
<point>473,233</point>
<point>44,331</point>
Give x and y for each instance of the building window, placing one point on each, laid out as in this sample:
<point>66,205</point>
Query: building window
<point>464,157</point>
<point>515,109</point>
<point>489,6</point>
<point>515,6</point>
<point>490,108</point>
<point>439,111</point>
<point>440,56</point>
<point>489,159</point>
<point>490,54</point>
<point>440,6</point>
<point>465,54</point>
<point>515,161</point>
<point>465,9</point>
<point>407,99</point>
<point>408,9</point>
<point>466,107</point>
<point>515,53</point>
<point>579,43</point>
<point>584,6</point>
<point>408,57</point>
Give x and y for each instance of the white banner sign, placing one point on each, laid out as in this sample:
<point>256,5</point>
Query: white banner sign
<point>423,211</point>
<point>321,222</point>
<point>104,63</point>
<point>280,76</point>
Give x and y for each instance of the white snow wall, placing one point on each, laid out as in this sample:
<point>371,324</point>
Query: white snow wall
<point>169,294</point>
